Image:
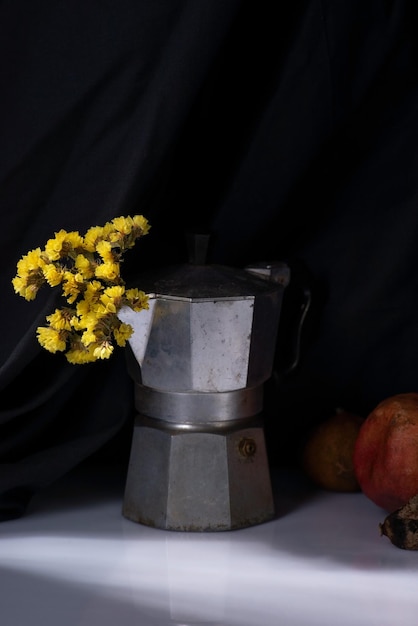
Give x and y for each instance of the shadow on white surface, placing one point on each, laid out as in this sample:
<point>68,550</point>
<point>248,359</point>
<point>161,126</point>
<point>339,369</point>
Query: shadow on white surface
<point>75,561</point>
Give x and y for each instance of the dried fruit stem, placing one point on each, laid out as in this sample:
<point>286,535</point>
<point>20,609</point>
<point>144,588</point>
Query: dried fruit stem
<point>401,526</point>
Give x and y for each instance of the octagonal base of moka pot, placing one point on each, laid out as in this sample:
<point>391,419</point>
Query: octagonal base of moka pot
<point>206,478</point>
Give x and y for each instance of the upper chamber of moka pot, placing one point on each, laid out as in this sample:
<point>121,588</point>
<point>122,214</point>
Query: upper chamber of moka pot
<point>209,328</point>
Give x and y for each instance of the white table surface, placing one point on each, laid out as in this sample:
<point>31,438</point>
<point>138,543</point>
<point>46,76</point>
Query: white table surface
<point>74,560</point>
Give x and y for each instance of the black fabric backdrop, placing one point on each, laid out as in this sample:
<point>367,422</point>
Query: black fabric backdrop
<point>288,130</point>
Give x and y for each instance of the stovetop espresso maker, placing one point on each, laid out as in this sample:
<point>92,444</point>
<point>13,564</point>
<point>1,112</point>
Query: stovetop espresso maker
<point>199,358</point>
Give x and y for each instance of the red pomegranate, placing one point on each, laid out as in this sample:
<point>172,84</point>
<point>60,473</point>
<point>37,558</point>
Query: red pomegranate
<point>386,452</point>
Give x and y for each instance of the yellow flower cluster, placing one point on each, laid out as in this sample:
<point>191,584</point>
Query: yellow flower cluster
<point>88,270</point>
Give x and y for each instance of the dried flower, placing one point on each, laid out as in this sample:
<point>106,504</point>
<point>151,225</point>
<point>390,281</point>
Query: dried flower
<point>88,270</point>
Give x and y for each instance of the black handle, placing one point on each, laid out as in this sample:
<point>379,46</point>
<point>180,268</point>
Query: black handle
<point>297,302</point>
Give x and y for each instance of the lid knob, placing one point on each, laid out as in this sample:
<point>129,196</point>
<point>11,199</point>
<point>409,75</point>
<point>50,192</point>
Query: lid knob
<point>197,246</point>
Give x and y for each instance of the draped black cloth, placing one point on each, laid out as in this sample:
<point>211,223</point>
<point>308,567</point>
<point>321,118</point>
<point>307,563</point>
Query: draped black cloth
<point>289,131</point>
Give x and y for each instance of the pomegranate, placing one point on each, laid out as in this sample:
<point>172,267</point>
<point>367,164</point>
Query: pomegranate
<point>385,454</point>
<point>327,456</point>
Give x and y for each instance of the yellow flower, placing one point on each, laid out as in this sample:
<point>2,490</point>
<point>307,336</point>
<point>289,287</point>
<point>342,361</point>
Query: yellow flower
<point>105,250</point>
<point>88,337</point>
<point>79,355</point>
<point>28,286</point>
<point>77,323</point>
<point>112,298</point>
<point>22,288</point>
<point>123,225</point>
<point>84,266</point>
<point>53,274</point>
<point>19,285</point>
<point>103,350</point>
<point>108,271</point>
<point>88,270</point>
<point>73,286</point>
<point>83,307</point>
<point>127,230</point>
<point>30,262</point>
<point>122,333</point>
<point>109,305</point>
<point>31,292</point>
<point>63,244</point>
<point>141,223</point>
<point>74,240</point>
<point>51,339</point>
<point>29,277</point>
<point>100,310</point>
<point>54,246</point>
<point>60,319</point>
<point>88,320</point>
<point>115,292</point>
<point>92,236</point>
<point>92,290</point>
<point>137,299</point>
